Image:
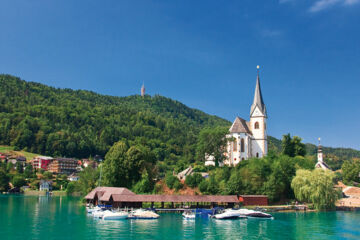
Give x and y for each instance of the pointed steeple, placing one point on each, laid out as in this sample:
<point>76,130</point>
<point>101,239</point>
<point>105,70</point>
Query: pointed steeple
<point>143,90</point>
<point>258,99</point>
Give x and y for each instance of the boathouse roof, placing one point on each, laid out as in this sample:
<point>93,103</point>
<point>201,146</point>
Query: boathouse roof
<point>105,194</point>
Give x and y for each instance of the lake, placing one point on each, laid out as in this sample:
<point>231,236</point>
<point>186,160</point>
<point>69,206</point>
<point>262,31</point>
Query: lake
<point>32,217</point>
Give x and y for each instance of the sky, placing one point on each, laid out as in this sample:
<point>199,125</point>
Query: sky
<point>201,53</point>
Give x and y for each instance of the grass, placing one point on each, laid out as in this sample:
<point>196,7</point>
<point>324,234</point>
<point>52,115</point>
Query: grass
<point>9,149</point>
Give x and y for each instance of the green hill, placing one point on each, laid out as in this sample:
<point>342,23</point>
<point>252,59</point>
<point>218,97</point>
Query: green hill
<point>64,122</point>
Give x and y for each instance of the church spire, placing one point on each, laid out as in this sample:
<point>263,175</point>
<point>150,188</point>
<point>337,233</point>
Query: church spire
<point>143,90</point>
<point>258,99</point>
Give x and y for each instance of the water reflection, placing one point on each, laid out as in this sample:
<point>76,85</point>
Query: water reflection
<point>24,217</point>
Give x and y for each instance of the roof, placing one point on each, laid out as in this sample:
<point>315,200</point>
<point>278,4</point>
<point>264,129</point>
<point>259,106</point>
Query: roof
<point>352,191</point>
<point>258,99</point>
<point>250,196</point>
<point>322,165</point>
<point>239,126</point>
<point>175,198</point>
<point>104,193</point>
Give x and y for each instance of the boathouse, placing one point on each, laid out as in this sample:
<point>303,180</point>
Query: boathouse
<point>123,197</point>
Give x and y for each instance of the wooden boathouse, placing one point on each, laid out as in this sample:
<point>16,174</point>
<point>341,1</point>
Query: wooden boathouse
<point>123,197</point>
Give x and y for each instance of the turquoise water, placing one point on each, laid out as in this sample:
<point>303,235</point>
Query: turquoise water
<point>25,217</point>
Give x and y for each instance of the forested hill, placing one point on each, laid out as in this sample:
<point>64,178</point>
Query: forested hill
<point>65,122</point>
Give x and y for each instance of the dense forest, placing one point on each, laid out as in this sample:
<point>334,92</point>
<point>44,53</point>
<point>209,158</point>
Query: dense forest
<point>78,123</point>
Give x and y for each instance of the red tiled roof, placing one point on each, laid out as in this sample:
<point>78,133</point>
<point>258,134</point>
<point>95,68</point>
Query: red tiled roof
<point>104,193</point>
<point>175,198</point>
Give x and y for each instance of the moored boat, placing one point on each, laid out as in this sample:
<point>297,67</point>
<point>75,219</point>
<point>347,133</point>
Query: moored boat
<point>254,214</point>
<point>143,214</point>
<point>228,214</point>
<point>189,215</point>
<point>115,215</point>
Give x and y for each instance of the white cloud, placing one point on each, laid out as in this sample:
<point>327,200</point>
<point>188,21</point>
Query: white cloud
<point>320,5</point>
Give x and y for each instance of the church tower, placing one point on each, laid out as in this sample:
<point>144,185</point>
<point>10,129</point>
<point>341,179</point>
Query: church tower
<point>143,90</point>
<point>258,116</point>
<point>320,157</point>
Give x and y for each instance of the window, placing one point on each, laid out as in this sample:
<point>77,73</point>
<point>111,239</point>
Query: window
<point>257,155</point>
<point>242,145</point>
<point>257,125</point>
<point>235,146</point>
<point>265,126</point>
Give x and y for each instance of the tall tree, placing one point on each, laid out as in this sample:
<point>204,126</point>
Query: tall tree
<point>212,142</point>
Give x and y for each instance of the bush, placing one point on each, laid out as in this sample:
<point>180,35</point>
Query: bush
<point>203,186</point>
<point>178,185</point>
<point>18,181</point>
<point>193,180</point>
<point>170,180</point>
<point>71,187</point>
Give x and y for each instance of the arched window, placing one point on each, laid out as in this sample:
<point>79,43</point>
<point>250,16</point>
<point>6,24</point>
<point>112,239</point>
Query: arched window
<point>256,125</point>
<point>242,146</point>
<point>235,146</point>
<point>257,155</point>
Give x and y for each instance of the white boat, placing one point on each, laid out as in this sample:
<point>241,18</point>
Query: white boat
<point>254,214</point>
<point>228,214</point>
<point>100,214</point>
<point>91,210</point>
<point>189,215</point>
<point>143,214</point>
<point>115,215</point>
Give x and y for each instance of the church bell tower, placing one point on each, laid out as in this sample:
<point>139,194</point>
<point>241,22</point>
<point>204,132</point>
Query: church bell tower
<point>258,116</point>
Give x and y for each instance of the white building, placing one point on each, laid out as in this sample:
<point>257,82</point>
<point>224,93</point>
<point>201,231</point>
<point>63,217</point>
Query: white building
<point>249,139</point>
<point>320,157</point>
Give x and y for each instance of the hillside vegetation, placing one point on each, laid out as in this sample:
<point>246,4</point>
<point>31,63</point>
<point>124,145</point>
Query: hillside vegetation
<point>64,122</point>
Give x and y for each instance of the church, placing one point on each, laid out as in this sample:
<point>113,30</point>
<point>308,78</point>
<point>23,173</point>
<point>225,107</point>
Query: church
<point>248,138</point>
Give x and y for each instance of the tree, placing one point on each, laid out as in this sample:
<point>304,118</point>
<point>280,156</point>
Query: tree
<point>212,142</point>
<point>170,180</point>
<point>18,181</point>
<point>145,185</point>
<point>19,167</point>
<point>123,165</point>
<point>315,186</point>
<point>235,184</point>
<point>47,175</point>
<point>88,179</point>
<point>350,172</point>
<point>4,181</point>
<point>28,172</point>
<point>293,146</point>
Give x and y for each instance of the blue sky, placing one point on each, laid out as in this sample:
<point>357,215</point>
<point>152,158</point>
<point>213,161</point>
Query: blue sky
<point>202,53</point>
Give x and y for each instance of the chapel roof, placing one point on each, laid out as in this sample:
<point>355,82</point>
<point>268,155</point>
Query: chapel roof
<point>239,126</point>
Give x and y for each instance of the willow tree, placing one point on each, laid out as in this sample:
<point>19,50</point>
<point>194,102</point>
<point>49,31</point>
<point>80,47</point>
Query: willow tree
<point>315,186</point>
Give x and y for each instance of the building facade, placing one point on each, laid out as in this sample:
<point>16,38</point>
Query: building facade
<point>63,165</point>
<point>248,139</point>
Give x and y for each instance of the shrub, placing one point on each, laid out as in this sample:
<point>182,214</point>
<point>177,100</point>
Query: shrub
<point>18,181</point>
<point>170,180</point>
<point>178,185</point>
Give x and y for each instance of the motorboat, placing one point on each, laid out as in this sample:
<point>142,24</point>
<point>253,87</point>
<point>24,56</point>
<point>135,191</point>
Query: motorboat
<point>253,213</point>
<point>143,214</point>
<point>189,215</point>
<point>91,210</point>
<point>100,213</point>
<point>115,215</point>
<point>228,214</point>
